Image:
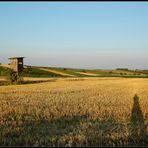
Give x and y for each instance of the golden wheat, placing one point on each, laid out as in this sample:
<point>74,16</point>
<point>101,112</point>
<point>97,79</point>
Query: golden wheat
<point>73,112</point>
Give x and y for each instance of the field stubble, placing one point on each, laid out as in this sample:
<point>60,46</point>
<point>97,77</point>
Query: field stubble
<point>75,112</point>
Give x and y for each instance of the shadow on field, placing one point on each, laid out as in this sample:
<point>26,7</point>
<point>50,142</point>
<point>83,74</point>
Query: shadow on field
<point>38,81</point>
<point>5,83</point>
<point>75,131</point>
<point>41,132</point>
<point>138,134</point>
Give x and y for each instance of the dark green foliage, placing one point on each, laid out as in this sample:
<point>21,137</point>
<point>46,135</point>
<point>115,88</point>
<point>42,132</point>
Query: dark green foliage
<point>84,71</point>
<point>122,69</point>
<point>14,78</point>
<point>110,72</point>
<point>4,71</point>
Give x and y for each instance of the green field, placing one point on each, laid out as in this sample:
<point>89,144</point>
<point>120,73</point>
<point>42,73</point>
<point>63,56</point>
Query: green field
<point>4,71</point>
<point>35,72</point>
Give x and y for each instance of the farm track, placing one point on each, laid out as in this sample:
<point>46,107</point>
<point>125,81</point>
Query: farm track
<point>87,73</point>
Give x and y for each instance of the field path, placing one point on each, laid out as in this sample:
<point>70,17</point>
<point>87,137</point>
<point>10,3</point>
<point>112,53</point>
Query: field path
<point>88,73</point>
<point>57,72</point>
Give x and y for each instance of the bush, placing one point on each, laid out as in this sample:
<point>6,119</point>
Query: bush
<point>14,78</point>
<point>4,71</point>
<point>84,71</point>
<point>122,69</point>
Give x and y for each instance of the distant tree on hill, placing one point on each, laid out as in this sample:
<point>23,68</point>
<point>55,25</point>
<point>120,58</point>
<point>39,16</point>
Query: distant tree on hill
<point>84,71</point>
<point>121,68</point>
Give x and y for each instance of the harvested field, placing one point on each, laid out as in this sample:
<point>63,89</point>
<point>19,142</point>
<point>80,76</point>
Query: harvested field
<point>75,112</point>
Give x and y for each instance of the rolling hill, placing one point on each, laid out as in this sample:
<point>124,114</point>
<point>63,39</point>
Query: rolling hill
<point>50,72</point>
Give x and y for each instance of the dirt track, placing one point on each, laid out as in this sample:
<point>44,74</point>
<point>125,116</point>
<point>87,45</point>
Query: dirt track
<point>57,72</point>
<point>87,73</point>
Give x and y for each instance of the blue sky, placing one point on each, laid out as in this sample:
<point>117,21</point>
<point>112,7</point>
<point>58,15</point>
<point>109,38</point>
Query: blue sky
<point>75,34</point>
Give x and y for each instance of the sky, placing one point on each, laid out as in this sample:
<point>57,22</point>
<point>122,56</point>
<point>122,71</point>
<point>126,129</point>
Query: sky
<point>93,35</point>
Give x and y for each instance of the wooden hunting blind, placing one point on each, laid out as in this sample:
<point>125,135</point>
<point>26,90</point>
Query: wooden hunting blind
<point>16,64</point>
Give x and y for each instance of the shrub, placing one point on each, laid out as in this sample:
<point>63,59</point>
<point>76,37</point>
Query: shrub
<point>14,78</point>
<point>84,71</point>
<point>122,69</point>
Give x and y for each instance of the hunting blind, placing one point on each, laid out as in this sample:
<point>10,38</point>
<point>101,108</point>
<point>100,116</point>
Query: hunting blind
<point>16,64</point>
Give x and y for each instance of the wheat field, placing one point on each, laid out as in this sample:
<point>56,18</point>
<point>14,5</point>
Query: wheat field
<point>75,112</point>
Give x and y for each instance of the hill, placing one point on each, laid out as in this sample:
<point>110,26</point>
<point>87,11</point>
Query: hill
<point>50,72</point>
